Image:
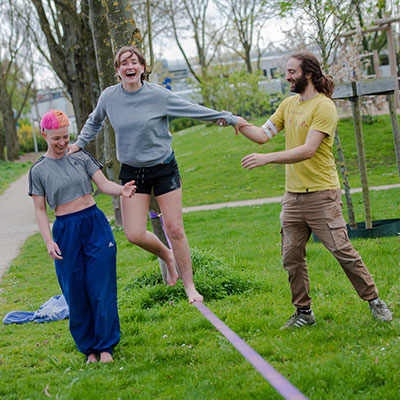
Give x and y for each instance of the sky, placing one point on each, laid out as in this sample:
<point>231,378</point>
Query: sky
<point>272,33</point>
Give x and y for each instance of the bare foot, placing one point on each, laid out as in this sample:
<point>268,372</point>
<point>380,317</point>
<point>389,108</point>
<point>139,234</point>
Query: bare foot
<point>91,359</point>
<point>172,274</point>
<point>193,295</point>
<point>106,357</point>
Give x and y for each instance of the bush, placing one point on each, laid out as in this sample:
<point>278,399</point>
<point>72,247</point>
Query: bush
<point>213,279</point>
<point>178,124</point>
<point>238,92</point>
<point>25,139</point>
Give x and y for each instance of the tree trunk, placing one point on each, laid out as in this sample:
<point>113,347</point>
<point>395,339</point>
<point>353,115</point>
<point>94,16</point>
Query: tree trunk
<point>2,155</point>
<point>124,31</point>
<point>9,121</point>
<point>105,68</point>
<point>71,53</point>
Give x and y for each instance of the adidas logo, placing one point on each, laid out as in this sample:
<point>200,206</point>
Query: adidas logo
<point>110,244</point>
<point>300,322</point>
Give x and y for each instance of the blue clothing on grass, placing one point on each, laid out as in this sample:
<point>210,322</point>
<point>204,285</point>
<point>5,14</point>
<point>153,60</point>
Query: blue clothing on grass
<point>53,309</point>
<point>87,276</point>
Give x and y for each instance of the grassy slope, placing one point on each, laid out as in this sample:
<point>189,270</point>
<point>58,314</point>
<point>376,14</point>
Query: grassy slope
<point>11,171</point>
<point>169,351</point>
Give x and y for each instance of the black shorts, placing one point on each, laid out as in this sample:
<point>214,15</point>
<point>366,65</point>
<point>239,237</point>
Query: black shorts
<point>163,178</point>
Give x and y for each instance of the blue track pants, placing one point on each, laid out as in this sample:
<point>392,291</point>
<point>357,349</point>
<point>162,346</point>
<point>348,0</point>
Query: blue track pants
<point>87,276</point>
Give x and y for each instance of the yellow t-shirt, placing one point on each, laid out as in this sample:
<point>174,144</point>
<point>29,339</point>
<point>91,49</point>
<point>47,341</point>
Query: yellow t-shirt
<point>298,117</point>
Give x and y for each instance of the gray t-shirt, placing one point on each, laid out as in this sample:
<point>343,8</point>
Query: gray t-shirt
<point>61,180</point>
<point>140,121</point>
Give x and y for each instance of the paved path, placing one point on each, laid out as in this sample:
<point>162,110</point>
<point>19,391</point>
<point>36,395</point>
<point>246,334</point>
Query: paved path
<point>269,200</point>
<point>18,221</point>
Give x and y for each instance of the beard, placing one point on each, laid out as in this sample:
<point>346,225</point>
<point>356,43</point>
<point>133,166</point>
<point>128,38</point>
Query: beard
<point>300,84</point>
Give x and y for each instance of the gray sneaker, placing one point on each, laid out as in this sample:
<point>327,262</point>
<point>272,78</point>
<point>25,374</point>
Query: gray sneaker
<point>297,320</point>
<point>380,310</point>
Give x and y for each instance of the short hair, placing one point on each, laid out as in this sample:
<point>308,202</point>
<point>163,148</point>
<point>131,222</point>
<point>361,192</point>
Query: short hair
<point>54,119</point>
<point>310,65</point>
<point>132,50</point>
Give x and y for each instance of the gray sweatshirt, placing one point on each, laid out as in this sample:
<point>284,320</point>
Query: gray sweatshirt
<point>140,121</point>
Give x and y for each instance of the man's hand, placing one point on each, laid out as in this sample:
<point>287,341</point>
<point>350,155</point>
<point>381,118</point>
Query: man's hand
<point>129,189</point>
<point>255,160</point>
<point>221,122</point>
<point>240,124</point>
<point>72,148</point>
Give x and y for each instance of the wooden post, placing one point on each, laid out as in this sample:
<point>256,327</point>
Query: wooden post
<point>345,178</point>
<point>375,58</point>
<point>356,110</point>
<point>395,128</point>
<point>392,61</point>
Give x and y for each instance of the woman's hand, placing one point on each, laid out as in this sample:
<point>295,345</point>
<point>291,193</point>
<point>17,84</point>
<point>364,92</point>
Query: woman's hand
<point>72,148</point>
<point>54,251</point>
<point>129,189</point>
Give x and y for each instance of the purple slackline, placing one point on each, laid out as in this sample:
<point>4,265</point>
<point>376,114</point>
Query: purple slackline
<point>279,382</point>
<point>155,215</point>
<point>276,380</point>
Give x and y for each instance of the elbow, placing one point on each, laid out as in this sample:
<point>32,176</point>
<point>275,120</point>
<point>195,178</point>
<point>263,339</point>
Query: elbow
<point>309,153</point>
<point>261,140</point>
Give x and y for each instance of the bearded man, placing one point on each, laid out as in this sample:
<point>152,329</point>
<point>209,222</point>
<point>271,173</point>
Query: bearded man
<point>312,200</point>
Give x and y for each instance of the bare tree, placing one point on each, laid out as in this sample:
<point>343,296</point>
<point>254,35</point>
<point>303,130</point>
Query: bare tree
<point>247,19</point>
<point>105,67</point>
<point>70,50</point>
<point>192,18</point>
<point>12,78</point>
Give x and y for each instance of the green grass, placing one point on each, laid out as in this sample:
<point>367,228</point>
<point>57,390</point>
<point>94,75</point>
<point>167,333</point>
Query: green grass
<point>168,350</point>
<point>11,171</point>
<point>209,162</point>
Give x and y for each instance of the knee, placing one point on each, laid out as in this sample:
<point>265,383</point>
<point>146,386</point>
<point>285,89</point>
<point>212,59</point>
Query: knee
<point>135,237</point>
<point>175,231</point>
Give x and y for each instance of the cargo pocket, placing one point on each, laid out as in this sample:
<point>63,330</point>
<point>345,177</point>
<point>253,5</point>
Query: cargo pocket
<point>339,234</point>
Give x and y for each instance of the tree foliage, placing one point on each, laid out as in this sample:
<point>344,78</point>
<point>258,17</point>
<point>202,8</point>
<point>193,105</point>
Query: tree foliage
<point>321,22</point>
<point>239,92</point>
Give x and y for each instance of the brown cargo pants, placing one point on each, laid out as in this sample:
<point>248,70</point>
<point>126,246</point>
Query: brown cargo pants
<point>321,213</point>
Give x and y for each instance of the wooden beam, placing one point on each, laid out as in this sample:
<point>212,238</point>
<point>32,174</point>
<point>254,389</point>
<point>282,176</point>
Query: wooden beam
<point>381,24</point>
<point>366,87</point>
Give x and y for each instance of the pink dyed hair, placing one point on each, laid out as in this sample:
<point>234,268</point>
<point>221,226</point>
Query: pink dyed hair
<point>54,119</point>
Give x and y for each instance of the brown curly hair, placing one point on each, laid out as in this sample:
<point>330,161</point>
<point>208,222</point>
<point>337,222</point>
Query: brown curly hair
<point>310,65</point>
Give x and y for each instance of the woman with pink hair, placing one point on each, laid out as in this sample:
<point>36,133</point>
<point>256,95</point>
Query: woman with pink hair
<point>82,245</point>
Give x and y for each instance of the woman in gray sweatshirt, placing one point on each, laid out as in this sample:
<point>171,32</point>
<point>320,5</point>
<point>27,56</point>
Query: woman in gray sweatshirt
<point>138,112</point>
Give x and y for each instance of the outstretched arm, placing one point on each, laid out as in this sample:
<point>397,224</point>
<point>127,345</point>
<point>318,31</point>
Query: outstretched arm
<point>112,188</point>
<point>257,134</point>
<point>300,153</point>
<point>42,219</point>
